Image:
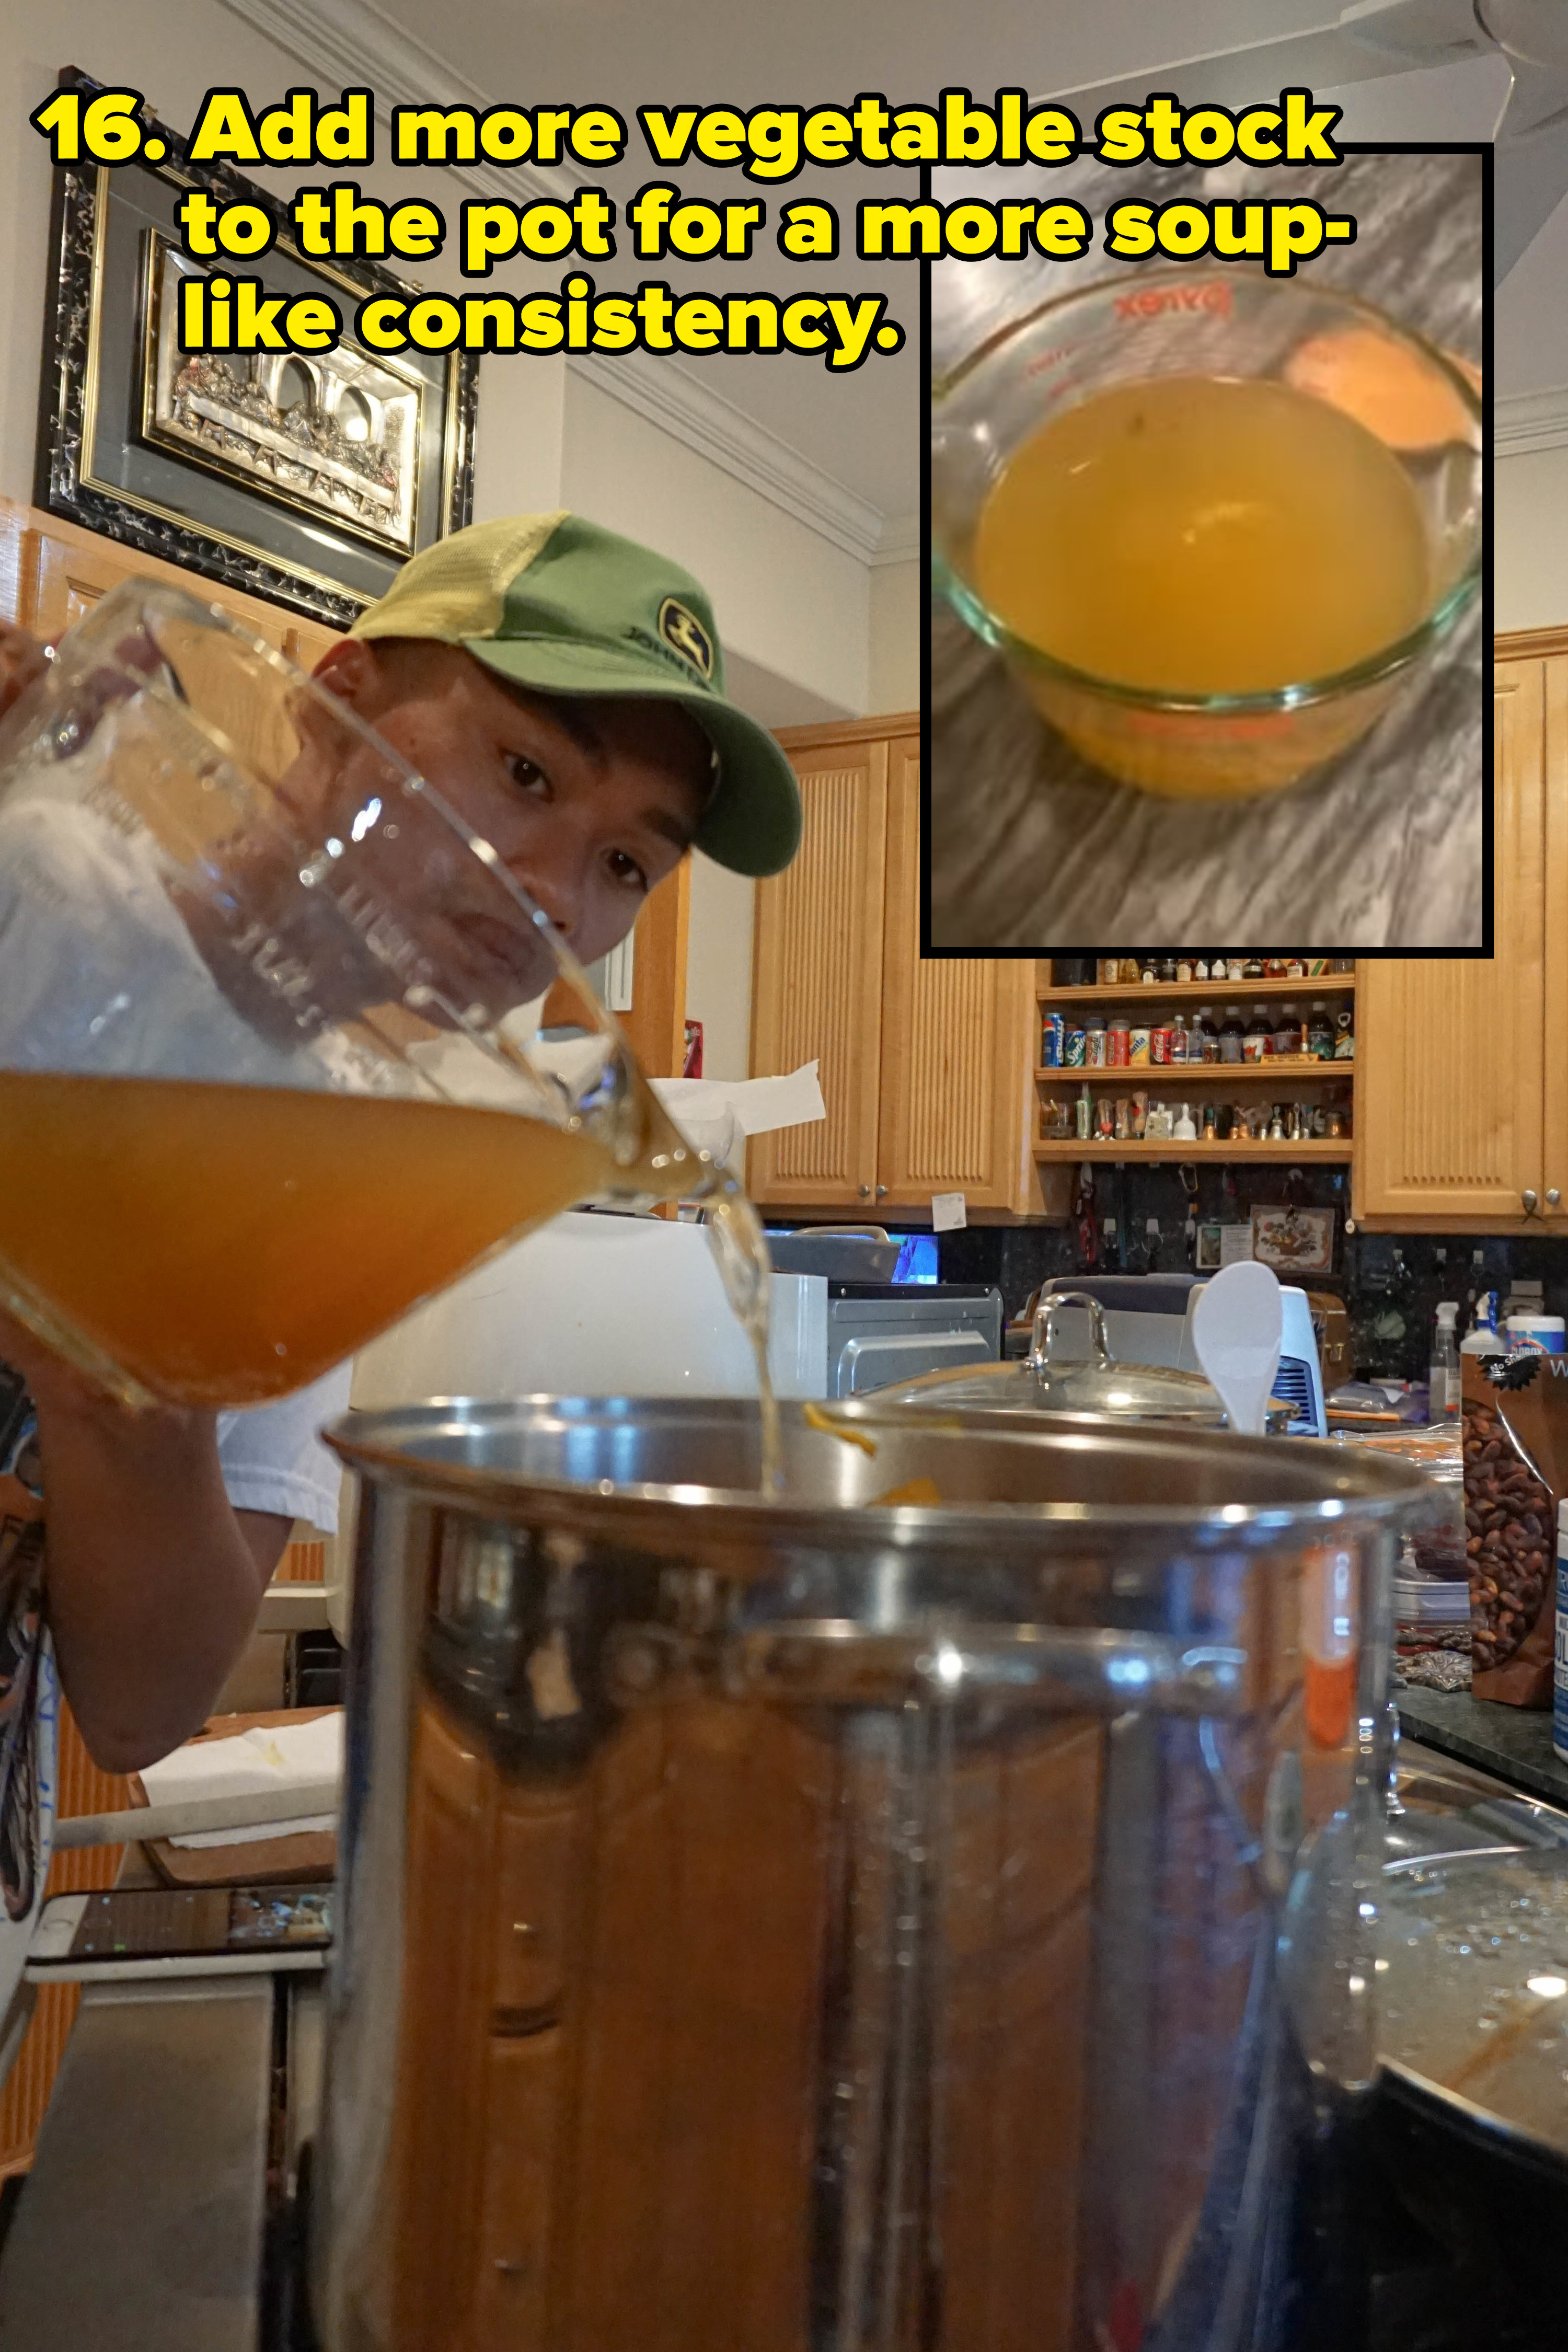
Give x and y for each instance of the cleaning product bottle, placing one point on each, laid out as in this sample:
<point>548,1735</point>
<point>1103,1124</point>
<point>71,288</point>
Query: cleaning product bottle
<point>1482,1338</point>
<point>1444,1377</point>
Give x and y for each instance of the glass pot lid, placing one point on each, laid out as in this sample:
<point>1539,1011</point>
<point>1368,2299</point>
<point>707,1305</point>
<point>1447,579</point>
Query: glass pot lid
<point>1042,1383</point>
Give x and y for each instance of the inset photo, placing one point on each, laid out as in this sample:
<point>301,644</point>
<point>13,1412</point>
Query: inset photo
<point>1206,540</point>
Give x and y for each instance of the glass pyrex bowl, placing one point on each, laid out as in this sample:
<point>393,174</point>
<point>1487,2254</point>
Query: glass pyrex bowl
<point>1232,322</point>
<point>272,1061</point>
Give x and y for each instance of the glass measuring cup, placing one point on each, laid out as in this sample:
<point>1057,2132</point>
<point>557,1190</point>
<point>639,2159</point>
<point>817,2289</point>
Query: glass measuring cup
<point>1229,323</point>
<point>273,1055</point>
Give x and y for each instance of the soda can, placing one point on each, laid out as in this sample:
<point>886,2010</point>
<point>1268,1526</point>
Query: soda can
<point>1053,1031</point>
<point>1073,1054</point>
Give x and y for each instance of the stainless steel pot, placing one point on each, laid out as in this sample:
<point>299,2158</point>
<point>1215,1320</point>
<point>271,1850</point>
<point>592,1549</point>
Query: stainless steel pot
<point>1042,1383</point>
<point>831,1922</point>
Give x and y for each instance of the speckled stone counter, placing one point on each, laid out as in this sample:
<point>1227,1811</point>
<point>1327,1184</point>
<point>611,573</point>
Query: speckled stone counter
<point>1514,1742</point>
<point>1033,849</point>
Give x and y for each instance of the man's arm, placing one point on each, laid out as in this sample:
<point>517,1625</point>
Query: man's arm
<point>153,1580</point>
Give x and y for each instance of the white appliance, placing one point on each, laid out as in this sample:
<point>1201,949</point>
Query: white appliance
<point>597,1305</point>
<point>589,1305</point>
<point>1148,1320</point>
<point>1322,48</point>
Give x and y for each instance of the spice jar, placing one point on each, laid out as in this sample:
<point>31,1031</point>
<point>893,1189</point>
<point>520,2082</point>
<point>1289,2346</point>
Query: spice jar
<point>1146,972</point>
<point>1185,969</point>
<point>1094,1042</point>
<point>1138,1045</point>
<point>1110,971</point>
<point>1116,1043</point>
<point>1237,968</point>
<point>1296,968</point>
<point>1128,975</point>
<point>1167,969</point>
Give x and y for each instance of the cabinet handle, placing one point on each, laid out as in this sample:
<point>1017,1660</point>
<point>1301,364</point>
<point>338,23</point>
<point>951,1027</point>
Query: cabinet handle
<point>865,1190</point>
<point>1531,1204</point>
<point>881,1189</point>
<point>1553,1197</point>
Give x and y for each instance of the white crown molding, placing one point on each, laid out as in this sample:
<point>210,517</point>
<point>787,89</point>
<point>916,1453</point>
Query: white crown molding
<point>351,43</point>
<point>1526,421</point>
<point>900,540</point>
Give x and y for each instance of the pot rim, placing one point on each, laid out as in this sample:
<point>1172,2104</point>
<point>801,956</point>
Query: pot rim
<point>661,1515</point>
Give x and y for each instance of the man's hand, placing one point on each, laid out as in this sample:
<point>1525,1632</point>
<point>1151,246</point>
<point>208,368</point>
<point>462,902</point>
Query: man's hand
<point>22,659</point>
<point>152,1580</point>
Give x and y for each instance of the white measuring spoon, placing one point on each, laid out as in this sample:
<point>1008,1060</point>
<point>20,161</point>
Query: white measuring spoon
<point>1237,1324</point>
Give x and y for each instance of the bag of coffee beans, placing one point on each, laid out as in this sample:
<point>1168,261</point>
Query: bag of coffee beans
<point>1516,1472</point>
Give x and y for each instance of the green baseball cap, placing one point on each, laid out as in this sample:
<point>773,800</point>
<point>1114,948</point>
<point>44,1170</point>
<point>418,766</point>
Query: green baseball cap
<point>554,603</point>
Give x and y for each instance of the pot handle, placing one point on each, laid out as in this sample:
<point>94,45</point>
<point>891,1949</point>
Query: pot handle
<point>1040,1355</point>
<point>832,1662</point>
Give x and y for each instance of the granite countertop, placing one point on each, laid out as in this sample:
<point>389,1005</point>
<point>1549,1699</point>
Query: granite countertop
<point>1033,849</point>
<point>1514,1742</point>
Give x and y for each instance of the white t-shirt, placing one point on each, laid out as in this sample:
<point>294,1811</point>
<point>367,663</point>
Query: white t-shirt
<point>65,1004</point>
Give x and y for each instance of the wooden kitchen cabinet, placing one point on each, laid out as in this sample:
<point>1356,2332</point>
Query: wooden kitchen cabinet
<point>816,987</point>
<point>952,1112</point>
<point>52,573</point>
<point>924,1064</point>
<point>1462,1106</point>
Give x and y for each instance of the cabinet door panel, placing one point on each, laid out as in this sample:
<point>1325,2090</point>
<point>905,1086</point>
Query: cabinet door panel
<point>1450,1051</point>
<point>817,985</point>
<point>62,571</point>
<point>1554,1152</point>
<point>955,1044</point>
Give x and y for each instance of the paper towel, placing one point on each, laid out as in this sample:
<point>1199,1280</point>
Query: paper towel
<point>291,1754</point>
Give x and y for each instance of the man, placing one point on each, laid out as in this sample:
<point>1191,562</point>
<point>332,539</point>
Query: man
<point>563,689</point>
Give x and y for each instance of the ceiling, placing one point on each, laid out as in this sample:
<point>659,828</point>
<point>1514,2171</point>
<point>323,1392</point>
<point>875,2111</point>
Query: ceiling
<point>862,429</point>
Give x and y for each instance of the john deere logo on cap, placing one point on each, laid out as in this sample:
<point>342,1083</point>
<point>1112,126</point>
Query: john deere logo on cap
<point>679,627</point>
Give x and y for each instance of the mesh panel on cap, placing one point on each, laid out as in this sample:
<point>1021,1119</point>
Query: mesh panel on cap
<point>458,588</point>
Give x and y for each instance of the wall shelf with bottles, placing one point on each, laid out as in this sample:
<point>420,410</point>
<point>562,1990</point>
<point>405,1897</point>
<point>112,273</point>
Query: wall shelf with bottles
<point>1316,1093</point>
<point>1202,991</point>
<point>1305,1147</point>
<point>1170,1077</point>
